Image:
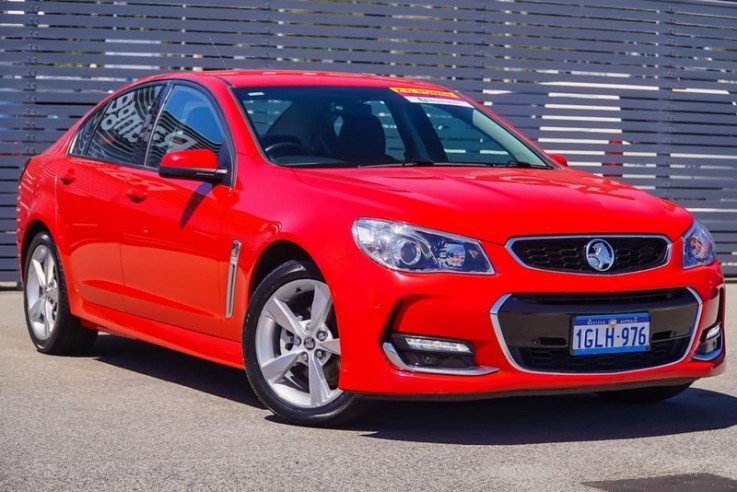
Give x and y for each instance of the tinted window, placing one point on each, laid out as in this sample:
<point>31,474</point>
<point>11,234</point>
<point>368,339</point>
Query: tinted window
<point>263,112</point>
<point>394,145</point>
<point>187,121</point>
<point>357,126</point>
<point>463,141</point>
<point>85,133</point>
<point>117,135</point>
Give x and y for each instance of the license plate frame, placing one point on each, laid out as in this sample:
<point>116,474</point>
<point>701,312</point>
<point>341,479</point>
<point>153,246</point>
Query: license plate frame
<point>610,334</point>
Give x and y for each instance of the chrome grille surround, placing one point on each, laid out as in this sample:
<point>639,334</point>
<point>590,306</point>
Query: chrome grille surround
<point>515,362</point>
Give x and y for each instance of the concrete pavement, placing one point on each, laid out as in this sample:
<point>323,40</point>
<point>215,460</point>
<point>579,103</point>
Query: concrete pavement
<point>132,416</point>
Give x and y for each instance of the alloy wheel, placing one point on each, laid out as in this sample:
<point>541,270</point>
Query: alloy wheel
<point>42,293</point>
<point>297,344</point>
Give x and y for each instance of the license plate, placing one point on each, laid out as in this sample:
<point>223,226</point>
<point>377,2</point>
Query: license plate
<point>610,334</point>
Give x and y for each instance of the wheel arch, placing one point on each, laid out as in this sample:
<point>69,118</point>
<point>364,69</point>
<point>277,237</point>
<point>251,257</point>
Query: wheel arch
<point>272,256</point>
<point>32,229</point>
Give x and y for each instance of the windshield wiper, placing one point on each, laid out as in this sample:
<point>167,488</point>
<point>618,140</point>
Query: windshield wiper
<point>418,162</point>
<point>515,163</point>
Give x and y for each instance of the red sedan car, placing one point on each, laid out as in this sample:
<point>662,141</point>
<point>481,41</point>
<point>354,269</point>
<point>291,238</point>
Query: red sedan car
<point>343,237</point>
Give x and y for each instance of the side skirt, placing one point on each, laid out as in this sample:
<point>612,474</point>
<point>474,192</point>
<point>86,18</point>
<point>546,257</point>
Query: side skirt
<point>208,347</point>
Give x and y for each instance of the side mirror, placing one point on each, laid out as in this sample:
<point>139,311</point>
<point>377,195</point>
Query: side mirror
<point>201,164</point>
<point>559,159</point>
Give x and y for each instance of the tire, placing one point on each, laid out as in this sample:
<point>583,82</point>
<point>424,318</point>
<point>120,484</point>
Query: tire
<point>51,325</point>
<point>291,365</point>
<point>643,395</point>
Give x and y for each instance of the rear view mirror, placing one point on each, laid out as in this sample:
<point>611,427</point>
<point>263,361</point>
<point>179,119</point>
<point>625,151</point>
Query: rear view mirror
<point>199,164</point>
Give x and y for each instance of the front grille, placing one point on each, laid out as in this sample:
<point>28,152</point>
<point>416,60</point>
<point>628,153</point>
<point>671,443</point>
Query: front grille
<point>560,360</point>
<point>567,254</point>
<point>536,328</point>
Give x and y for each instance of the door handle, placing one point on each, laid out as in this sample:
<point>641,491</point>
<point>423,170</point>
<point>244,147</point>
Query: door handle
<point>67,177</point>
<point>136,194</point>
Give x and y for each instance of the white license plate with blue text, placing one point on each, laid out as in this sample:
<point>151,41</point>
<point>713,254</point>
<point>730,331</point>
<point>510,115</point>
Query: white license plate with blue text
<point>610,334</point>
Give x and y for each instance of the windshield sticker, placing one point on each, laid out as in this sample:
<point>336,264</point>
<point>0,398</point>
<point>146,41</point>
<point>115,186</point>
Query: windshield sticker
<point>430,96</point>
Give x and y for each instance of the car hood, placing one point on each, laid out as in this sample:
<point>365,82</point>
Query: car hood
<point>495,204</point>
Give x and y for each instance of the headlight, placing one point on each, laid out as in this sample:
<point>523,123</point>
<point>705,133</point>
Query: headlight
<point>411,249</point>
<point>698,246</point>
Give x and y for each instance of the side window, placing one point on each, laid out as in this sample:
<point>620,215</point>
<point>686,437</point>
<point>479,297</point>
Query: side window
<point>122,121</point>
<point>85,133</point>
<point>188,121</point>
<point>461,140</point>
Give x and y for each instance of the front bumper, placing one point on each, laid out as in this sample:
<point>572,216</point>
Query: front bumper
<point>535,329</point>
<point>372,303</point>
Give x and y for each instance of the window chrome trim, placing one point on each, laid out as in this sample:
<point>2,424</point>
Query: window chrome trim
<point>494,314</point>
<point>668,251</point>
<point>235,253</point>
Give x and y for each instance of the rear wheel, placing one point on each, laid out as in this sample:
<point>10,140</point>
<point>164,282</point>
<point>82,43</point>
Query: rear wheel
<point>644,395</point>
<point>51,326</point>
<point>292,347</point>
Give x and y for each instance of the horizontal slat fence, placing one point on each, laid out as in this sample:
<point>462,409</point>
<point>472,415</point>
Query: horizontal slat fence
<point>641,90</point>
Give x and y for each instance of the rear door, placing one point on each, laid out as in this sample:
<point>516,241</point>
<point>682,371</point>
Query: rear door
<point>88,188</point>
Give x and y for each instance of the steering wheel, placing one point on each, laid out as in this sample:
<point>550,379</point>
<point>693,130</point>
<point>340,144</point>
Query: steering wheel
<point>280,149</point>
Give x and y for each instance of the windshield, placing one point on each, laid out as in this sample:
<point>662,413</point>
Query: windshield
<point>378,126</point>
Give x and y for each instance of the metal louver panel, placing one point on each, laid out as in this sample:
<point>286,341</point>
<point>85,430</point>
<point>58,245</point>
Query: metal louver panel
<point>639,90</point>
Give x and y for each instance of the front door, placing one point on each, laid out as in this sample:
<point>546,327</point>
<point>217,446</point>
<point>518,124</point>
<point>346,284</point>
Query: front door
<point>174,260</point>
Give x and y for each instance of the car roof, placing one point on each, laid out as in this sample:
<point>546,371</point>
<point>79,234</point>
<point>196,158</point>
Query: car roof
<point>264,78</point>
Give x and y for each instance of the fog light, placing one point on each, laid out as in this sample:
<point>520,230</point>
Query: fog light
<point>430,354</point>
<point>436,345</point>
<point>714,331</point>
<point>711,344</point>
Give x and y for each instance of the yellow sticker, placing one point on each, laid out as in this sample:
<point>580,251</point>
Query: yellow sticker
<point>412,91</point>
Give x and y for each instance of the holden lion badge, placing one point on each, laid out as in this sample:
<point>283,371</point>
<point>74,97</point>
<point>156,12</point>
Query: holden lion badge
<point>599,254</point>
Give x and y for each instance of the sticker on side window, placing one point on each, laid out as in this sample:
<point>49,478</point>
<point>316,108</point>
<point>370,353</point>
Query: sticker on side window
<point>430,96</point>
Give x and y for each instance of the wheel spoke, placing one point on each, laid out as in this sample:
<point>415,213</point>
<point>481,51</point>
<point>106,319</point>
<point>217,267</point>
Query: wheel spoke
<point>319,389</point>
<point>275,369</point>
<point>332,346</point>
<point>53,293</point>
<point>321,305</point>
<point>48,319</point>
<point>50,268</point>
<point>284,317</point>
<point>36,310</point>
<point>38,270</point>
